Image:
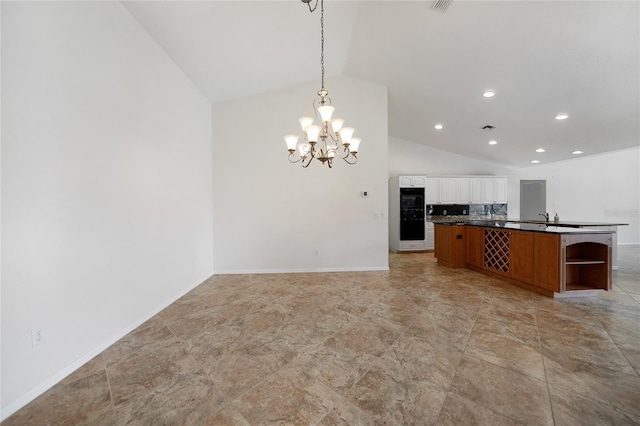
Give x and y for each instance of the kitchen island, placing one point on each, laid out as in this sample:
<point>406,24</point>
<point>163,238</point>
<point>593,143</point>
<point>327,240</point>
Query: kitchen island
<point>556,261</point>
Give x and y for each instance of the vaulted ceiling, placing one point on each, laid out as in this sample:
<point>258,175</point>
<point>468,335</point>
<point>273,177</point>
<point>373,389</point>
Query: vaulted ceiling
<point>540,58</point>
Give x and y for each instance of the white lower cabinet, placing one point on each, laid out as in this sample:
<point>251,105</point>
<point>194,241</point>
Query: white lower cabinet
<point>413,245</point>
<point>429,236</point>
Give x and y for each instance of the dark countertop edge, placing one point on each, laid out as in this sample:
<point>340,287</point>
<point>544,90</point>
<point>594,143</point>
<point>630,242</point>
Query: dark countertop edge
<point>568,224</point>
<point>550,223</point>
<point>533,227</point>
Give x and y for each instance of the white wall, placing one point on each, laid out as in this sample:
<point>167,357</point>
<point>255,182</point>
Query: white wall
<point>596,188</point>
<point>106,186</point>
<point>271,215</point>
<point>406,157</point>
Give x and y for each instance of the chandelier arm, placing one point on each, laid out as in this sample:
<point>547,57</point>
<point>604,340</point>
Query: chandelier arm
<point>334,137</point>
<point>350,162</point>
<point>342,153</point>
<point>292,156</point>
<point>309,4</point>
<point>304,166</point>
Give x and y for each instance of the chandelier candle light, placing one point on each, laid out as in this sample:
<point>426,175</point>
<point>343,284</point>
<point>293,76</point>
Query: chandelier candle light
<point>323,141</point>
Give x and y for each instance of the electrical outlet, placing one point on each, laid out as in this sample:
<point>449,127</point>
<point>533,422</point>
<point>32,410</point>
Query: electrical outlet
<point>37,336</point>
<point>376,216</point>
<point>316,252</point>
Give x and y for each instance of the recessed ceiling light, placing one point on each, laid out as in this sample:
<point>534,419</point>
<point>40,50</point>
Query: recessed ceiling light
<point>540,150</point>
<point>535,161</point>
<point>493,142</point>
<point>577,152</point>
<point>438,126</point>
<point>562,116</point>
<point>489,94</point>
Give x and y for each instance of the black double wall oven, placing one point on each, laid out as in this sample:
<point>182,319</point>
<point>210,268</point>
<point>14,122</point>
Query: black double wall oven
<point>412,214</point>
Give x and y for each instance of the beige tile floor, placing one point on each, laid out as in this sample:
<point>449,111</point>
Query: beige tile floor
<point>419,344</point>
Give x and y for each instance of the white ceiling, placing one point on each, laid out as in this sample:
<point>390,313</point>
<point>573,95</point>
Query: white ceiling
<point>540,57</point>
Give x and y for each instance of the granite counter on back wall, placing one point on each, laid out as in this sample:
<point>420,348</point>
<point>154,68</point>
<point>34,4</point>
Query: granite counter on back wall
<point>435,213</point>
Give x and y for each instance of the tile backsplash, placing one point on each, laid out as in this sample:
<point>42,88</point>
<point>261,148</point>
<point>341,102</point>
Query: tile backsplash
<point>477,211</point>
<point>488,210</point>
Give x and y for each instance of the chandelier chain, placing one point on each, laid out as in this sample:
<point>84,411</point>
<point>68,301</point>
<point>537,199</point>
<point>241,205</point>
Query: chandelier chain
<point>322,40</point>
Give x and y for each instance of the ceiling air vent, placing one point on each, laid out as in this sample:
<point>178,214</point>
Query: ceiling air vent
<point>441,5</point>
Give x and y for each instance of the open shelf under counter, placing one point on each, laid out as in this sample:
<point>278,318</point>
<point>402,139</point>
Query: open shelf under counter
<point>573,261</point>
<point>585,265</point>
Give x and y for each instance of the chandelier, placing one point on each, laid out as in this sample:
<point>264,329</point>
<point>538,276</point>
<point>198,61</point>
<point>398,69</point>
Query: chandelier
<point>329,139</point>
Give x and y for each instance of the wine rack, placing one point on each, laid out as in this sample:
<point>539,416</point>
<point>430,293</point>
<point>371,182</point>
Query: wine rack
<point>496,250</point>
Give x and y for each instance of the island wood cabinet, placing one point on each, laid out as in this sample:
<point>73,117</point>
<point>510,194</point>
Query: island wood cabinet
<point>549,263</point>
<point>547,257</point>
<point>526,257</point>
<point>450,245</point>
<point>475,246</point>
<point>521,255</point>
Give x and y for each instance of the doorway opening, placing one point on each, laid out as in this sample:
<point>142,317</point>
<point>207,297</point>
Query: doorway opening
<point>533,200</point>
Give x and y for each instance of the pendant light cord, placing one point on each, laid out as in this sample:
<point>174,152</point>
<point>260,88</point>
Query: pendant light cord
<point>322,40</point>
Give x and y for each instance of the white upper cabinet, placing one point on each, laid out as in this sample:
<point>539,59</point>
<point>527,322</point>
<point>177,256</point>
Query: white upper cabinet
<point>463,190</point>
<point>477,190</point>
<point>466,190</point>
<point>449,190</point>
<point>412,181</point>
<point>432,191</point>
<point>459,189</point>
<point>495,190</point>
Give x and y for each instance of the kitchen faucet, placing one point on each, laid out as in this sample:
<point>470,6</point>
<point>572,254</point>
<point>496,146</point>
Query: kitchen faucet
<point>545,215</point>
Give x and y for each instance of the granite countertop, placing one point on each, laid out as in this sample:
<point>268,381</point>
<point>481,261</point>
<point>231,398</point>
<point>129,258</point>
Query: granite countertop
<point>547,227</point>
<point>501,219</point>
<point>571,224</point>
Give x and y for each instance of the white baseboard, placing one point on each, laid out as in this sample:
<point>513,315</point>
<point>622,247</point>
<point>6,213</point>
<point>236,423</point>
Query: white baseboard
<point>297,271</point>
